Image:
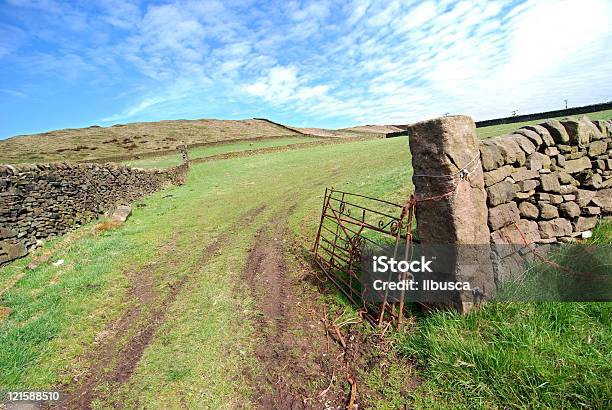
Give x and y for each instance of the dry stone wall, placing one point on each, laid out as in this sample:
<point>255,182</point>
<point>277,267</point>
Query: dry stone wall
<point>548,183</point>
<point>543,184</point>
<point>44,200</point>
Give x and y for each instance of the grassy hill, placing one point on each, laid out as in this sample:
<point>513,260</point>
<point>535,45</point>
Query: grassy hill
<point>131,139</point>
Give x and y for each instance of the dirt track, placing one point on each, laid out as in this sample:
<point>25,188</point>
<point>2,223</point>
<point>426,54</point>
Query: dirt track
<point>304,362</point>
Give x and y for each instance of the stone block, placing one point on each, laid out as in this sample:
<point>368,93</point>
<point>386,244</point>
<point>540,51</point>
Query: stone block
<point>547,139</point>
<point>522,173</point>
<point>591,210</point>
<point>603,199</point>
<point>537,161</point>
<point>569,209</point>
<point>510,150</point>
<point>497,175</point>
<point>500,193</point>
<point>555,228</point>
<point>550,183</point>
<point>548,211</point>
<point>490,156</point>
<point>502,215</point>
<point>529,185</point>
<point>533,136</point>
<point>597,148</point>
<point>577,165</point>
<point>585,223</point>
<point>580,131</point>
<point>551,151</point>
<point>557,131</point>
<point>525,143</point>
<point>584,197</point>
<point>528,210</point>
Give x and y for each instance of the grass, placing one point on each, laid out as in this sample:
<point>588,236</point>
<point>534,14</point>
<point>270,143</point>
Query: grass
<point>130,139</point>
<point>217,149</point>
<point>516,355</point>
<point>495,130</point>
<point>196,360</point>
<point>507,355</point>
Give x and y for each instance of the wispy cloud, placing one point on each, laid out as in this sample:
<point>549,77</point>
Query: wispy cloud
<point>323,63</point>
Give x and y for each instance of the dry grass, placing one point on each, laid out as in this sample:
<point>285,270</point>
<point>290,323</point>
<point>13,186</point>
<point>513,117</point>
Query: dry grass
<point>4,313</point>
<point>130,139</point>
<point>105,226</point>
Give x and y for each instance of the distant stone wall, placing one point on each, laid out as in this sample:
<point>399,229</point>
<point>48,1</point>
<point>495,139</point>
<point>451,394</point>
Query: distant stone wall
<point>44,200</point>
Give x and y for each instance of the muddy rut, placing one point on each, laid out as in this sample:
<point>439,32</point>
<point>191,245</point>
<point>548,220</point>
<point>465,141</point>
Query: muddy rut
<point>302,367</point>
<point>115,356</point>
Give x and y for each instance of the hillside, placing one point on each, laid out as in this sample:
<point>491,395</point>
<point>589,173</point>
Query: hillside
<point>131,139</point>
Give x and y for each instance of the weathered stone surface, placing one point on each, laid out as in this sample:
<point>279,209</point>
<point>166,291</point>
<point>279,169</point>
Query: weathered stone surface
<point>548,211</point>
<point>39,201</point>
<point>567,189</point>
<point>566,149</point>
<point>121,214</point>
<point>577,165</point>
<point>603,199</point>
<point>576,155</point>
<point>554,228</point>
<point>557,131</point>
<point>490,156</point>
<point>502,215</point>
<point>556,199</point>
<point>500,193</point>
<point>12,251</point>
<point>560,160</point>
<point>6,233</point>
<point>537,161</point>
<point>585,223</point>
<point>522,173</point>
<point>602,126</point>
<point>550,183</point>
<point>566,178</point>
<point>528,210</point>
<point>584,197</point>
<point>529,185</point>
<point>524,195</point>
<point>437,146</point>
<point>524,142</point>
<point>524,231</point>
<point>510,150</point>
<point>592,180</point>
<point>497,175</point>
<point>597,148</point>
<point>533,136</point>
<point>547,139</point>
<point>591,210</point>
<point>551,151</point>
<point>580,131</point>
<point>569,209</point>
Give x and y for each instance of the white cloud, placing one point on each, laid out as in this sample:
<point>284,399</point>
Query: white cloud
<point>324,61</point>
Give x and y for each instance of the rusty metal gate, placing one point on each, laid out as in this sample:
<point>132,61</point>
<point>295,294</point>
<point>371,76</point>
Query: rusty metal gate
<point>348,223</point>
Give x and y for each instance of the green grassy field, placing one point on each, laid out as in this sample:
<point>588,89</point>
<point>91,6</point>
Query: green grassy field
<point>495,130</point>
<point>208,151</point>
<point>196,240</point>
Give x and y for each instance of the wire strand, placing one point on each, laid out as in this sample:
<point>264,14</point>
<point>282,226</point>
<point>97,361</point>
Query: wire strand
<point>477,157</point>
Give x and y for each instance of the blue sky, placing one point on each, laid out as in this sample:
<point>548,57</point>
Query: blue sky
<point>321,63</point>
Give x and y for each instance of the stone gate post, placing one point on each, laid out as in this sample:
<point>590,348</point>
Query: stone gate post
<point>446,158</point>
